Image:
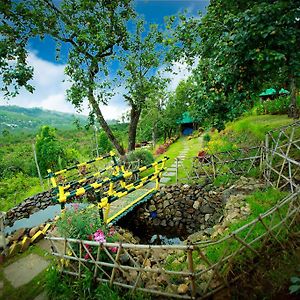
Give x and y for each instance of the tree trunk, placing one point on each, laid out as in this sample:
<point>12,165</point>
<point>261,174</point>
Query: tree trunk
<point>135,113</point>
<point>293,109</point>
<point>104,125</point>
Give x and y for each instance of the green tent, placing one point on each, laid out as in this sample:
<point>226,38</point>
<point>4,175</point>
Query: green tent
<point>283,92</point>
<point>268,92</point>
<point>185,118</point>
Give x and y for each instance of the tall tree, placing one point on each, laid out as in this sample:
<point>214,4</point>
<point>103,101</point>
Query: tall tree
<point>241,45</point>
<point>91,30</point>
<point>140,63</point>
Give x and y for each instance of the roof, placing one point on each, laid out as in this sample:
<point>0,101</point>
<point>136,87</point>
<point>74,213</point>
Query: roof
<point>283,91</point>
<point>268,92</point>
<point>185,118</point>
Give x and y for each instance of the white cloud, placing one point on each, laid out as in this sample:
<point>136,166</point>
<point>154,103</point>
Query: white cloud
<point>50,90</point>
<point>180,71</point>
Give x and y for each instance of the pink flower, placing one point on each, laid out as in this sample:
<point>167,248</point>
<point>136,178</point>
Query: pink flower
<point>99,236</point>
<point>87,256</point>
<point>113,249</point>
<point>111,231</point>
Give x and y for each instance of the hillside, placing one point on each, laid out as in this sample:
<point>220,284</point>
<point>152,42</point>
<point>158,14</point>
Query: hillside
<point>19,118</point>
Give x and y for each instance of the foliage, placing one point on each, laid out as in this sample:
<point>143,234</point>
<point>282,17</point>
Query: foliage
<point>277,106</point>
<point>163,148</point>
<point>61,287</point>
<point>206,137</point>
<point>48,149</point>
<point>259,201</point>
<point>144,156</point>
<point>295,286</point>
<point>104,144</point>
<point>16,189</point>
<point>243,46</point>
<point>90,30</point>
<point>140,63</point>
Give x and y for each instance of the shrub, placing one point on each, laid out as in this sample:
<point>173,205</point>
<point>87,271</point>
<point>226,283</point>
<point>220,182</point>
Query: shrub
<point>144,156</point>
<point>104,143</point>
<point>85,224</point>
<point>160,150</point>
<point>274,107</point>
<point>206,137</point>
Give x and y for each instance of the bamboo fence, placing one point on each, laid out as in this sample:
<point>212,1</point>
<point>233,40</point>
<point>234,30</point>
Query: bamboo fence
<point>282,157</point>
<point>204,267</point>
<point>207,167</point>
<point>198,270</point>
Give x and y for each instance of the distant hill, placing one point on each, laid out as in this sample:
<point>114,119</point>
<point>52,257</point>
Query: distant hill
<point>15,118</point>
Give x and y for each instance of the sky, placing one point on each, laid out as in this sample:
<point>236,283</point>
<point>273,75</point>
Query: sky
<point>50,87</point>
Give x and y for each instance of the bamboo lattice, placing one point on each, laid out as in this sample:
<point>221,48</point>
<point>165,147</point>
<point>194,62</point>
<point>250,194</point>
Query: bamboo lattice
<point>282,151</point>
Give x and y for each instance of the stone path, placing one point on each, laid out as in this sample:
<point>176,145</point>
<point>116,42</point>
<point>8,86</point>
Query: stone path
<point>171,171</point>
<point>25,269</point>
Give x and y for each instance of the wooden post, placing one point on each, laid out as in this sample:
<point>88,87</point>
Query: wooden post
<point>213,165</point>
<point>2,235</point>
<point>266,171</point>
<point>191,270</point>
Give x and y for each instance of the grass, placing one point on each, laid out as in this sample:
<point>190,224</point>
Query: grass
<point>260,202</point>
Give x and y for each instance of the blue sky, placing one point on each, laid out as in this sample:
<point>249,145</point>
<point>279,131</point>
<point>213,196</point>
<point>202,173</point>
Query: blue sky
<point>49,74</point>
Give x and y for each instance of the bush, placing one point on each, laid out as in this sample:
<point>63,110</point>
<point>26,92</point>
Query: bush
<point>144,156</point>
<point>278,106</point>
<point>104,143</point>
<point>85,224</point>
<point>206,137</point>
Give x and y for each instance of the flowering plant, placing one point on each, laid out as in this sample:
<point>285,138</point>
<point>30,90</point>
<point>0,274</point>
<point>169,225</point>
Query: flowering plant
<point>85,224</point>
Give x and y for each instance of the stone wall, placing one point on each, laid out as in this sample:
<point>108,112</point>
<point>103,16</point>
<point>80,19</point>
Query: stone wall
<point>28,206</point>
<point>177,210</point>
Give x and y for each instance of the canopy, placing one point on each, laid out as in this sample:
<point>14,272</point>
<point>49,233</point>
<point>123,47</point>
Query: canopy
<point>185,118</point>
<point>268,92</point>
<point>283,91</point>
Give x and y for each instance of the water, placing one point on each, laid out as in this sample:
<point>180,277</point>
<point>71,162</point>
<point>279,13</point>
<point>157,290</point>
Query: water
<point>159,239</point>
<point>38,217</point>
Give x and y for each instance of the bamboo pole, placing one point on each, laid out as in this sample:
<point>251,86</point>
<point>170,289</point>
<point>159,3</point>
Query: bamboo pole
<point>192,271</point>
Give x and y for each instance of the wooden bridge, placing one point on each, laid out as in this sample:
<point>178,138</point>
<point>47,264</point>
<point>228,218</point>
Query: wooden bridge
<point>117,190</point>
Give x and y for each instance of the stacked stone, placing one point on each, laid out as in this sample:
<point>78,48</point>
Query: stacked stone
<point>181,207</point>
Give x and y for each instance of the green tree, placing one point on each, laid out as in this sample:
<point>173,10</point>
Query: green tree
<point>104,144</point>
<point>140,62</point>
<point>48,149</point>
<point>91,30</point>
<point>241,45</point>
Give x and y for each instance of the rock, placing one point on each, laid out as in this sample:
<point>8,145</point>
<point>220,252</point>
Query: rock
<point>33,231</point>
<point>196,204</point>
<point>178,213</point>
<point>17,235</point>
<point>124,259</point>
<point>162,279</point>
<point>206,209</point>
<point>163,223</point>
<point>182,289</point>
<point>169,196</point>
<point>152,208</point>
<point>206,217</point>
<point>208,231</point>
<point>166,203</point>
